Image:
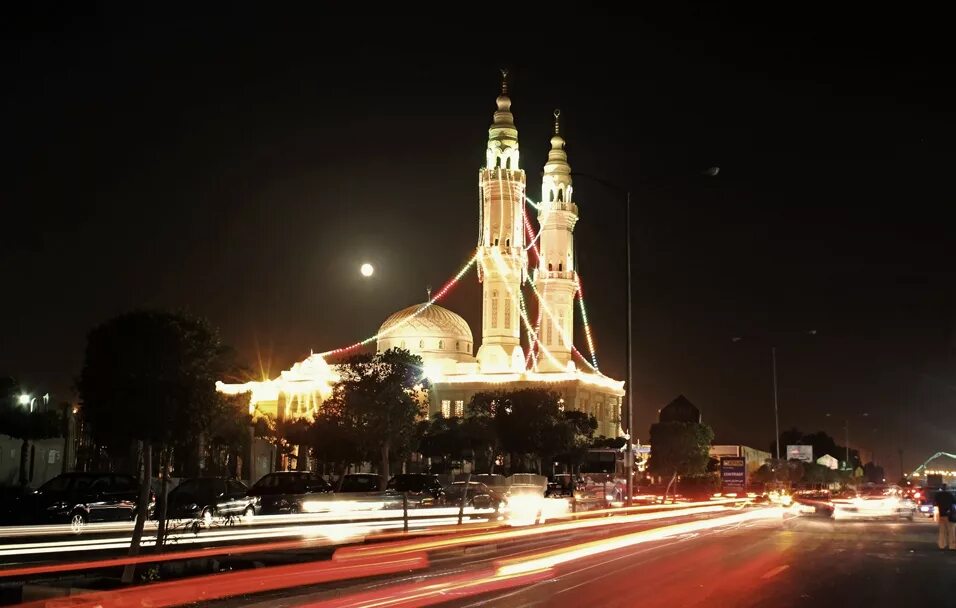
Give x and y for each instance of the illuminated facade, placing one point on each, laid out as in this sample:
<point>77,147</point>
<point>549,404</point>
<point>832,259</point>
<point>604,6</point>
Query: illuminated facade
<point>444,340</point>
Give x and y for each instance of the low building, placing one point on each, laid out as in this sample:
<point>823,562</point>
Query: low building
<point>754,458</point>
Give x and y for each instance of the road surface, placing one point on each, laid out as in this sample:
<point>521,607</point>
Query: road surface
<point>798,561</point>
<point>802,562</point>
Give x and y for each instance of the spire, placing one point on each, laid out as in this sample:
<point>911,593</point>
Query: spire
<point>503,135</point>
<point>557,171</point>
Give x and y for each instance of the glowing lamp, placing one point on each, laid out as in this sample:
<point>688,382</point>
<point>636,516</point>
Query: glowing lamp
<point>367,269</point>
<point>24,399</point>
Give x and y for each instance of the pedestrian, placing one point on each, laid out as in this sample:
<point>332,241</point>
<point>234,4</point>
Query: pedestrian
<point>946,516</point>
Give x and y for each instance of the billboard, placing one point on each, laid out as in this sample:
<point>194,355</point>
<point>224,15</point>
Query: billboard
<point>800,452</point>
<point>733,473</point>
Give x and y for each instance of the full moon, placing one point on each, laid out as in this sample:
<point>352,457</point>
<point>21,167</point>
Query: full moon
<point>367,269</point>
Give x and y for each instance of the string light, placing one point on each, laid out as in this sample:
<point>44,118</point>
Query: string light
<point>438,296</point>
<point>584,318</point>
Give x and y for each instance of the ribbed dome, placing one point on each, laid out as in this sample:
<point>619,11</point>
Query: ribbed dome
<point>435,332</point>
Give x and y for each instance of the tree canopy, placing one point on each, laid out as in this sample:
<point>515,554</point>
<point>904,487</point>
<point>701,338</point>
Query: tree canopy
<point>382,397</point>
<point>680,448</point>
<point>150,376</point>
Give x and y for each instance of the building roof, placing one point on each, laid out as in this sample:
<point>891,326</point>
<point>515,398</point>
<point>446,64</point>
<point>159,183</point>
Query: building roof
<point>679,410</point>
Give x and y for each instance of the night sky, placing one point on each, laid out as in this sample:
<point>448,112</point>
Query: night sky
<point>243,165</point>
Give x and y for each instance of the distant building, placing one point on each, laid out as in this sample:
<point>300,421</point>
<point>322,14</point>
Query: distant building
<point>679,410</point>
<point>755,458</point>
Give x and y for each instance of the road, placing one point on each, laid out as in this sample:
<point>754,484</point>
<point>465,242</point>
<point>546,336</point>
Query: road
<point>698,555</point>
<point>803,562</point>
<point>797,561</point>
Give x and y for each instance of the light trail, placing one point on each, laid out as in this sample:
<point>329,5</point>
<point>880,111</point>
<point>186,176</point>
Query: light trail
<point>428,593</point>
<point>362,551</point>
<point>521,571</point>
<point>218,586</point>
<point>549,559</point>
<point>290,545</point>
<point>339,530</point>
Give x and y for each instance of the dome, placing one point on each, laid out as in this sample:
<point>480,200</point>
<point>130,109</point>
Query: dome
<point>434,333</point>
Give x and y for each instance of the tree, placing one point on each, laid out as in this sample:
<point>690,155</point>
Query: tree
<point>481,429</point>
<point>334,438</point>
<point>382,395</point>
<point>679,448</point>
<point>443,439</point>
<point>570,437</point>
<point>150,376</point>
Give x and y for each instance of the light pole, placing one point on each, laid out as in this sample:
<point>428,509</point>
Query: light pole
<point>773,372</point>
<point>629,458</point>
<point>776,410</point>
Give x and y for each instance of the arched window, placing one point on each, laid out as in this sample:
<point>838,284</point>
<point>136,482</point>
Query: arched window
<point>560,267</point>
<point>457,345</point>
<point>550,268</point>
<point>560,194</point>
<point>507,313</point>
<point>496,242</point>
<point>507,242</point>
<point>441,345</point>
<point>494,309</point>
<point>421,344</point>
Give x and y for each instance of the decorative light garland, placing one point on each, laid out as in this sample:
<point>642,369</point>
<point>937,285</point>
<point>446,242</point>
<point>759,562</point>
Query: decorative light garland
<point>438,296</point>
<point>523,314</point>
<point>584,318</point>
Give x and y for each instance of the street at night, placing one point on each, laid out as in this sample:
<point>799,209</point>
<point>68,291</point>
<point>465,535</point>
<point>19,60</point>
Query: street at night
<point>471,308</point>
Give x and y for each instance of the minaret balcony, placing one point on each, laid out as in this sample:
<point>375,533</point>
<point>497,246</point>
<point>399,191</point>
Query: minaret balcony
<point>549,206</point>
<point>555,274</point>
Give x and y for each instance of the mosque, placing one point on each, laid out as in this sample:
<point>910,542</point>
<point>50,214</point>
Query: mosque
<point>455,364</point>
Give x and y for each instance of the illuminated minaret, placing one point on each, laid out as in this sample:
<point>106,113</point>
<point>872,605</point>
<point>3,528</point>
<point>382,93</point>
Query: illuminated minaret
<point>502,259</point>
<point>555,279</point>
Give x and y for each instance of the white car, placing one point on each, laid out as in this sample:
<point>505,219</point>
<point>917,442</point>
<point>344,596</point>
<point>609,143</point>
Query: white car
<point>875,502</point>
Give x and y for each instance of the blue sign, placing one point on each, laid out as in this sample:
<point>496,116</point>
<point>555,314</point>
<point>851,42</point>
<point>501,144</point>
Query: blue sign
<point>733,472</point>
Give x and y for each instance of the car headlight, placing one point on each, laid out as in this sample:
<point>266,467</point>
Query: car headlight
<point>192,506</point>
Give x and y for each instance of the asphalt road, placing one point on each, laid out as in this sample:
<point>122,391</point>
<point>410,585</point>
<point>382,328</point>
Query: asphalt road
<point>800,562</point>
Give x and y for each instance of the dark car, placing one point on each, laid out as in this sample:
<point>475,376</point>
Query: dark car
<point>421,489</point>
<point>285,491</point>
<point>478,495</point>
<point>209,497</point>
<point>79,498</point>
<point>360,482</point>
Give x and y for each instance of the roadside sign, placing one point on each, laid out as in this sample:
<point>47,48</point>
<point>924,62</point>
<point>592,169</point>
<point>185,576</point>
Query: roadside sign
<point>733,472</point>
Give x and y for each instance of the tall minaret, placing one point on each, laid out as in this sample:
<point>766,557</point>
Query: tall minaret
<point>555,280</point>
<point>502,259</point>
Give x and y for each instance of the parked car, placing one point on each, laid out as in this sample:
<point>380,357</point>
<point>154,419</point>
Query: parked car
<point>79,498</point>
<point>285,491</point>
<point>360,482</point>
<point>477,495</point>
<point>209,497</point>
<point>421,489</point>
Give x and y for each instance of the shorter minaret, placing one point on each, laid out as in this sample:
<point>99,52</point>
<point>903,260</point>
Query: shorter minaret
<point>555,278</point>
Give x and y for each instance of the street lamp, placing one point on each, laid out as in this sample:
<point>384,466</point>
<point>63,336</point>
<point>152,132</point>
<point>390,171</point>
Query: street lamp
<point>24,399</point>
<point>626,194</point>
<point>629,459</point>
<point>773,368</point>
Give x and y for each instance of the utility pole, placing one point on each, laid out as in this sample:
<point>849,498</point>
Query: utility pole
<point>776,413</point>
